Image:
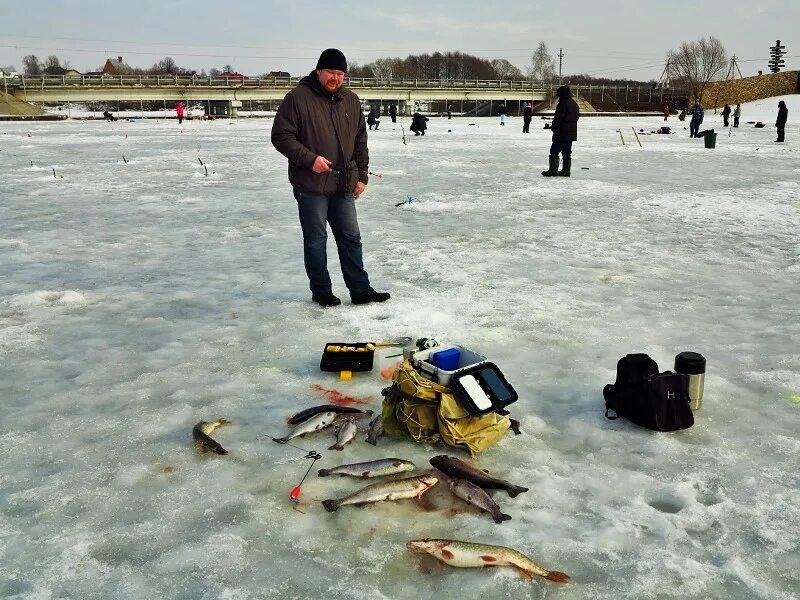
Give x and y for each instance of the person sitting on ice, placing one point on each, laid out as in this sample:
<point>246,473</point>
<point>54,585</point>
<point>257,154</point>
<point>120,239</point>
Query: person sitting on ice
<point>373,118</point>
<point>108,116</point>
<point>418,125</point>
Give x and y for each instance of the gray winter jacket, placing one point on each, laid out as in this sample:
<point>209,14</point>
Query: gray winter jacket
<point>312,122</point>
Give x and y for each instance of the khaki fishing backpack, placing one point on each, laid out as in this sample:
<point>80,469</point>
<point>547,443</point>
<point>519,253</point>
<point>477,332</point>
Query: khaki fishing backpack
<point>418,408</point>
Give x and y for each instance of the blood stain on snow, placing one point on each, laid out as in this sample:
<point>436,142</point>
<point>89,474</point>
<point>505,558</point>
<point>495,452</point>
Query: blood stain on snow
<point>338,398</point>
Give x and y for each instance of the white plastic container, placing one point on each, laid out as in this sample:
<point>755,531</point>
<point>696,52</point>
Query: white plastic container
<point>466,359</point>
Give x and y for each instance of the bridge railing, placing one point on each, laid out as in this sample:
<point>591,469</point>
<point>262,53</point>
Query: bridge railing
<point>56,81</point>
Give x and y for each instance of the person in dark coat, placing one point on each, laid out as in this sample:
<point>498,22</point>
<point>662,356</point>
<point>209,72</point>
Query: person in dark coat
<point>320,129</point>
<point>393,113</point>
<point>565,131</point>
<point>373,118</point>
<point>726,113</point>
<point>449,111</point>
<point>527,115</point>
<point>780,123</point>
<point>418,125</point>
<point>697,118</point>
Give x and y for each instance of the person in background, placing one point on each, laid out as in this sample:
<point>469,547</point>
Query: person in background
<point>666,112</point>
<point>780,123</point>
<point>565,131</point>
<point>697,118</point>
<point>179,112</point>
<point>373,118</point>
<point>527,115</point>
<point>737,112</point>
<point>449,111</point>
<point>726,113</point>
<point>418,125</point>
<point>320,128</point>
<point>393,112</point>
<point>682,115</point>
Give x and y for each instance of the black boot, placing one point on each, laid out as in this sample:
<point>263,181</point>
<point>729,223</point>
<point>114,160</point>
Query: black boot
<point>553,170</point>
<point>326,300</point>
<point>369,296</point>
<point>564,172</point>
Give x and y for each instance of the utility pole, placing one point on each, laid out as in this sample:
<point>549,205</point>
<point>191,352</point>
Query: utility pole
<point>560,58</point>
<point>733,69</point>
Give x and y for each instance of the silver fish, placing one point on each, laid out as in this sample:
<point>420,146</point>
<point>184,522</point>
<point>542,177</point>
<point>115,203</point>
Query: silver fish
<point>469,492</point>
<point>412,487</point>
<point>368,470</point>
<point>345,432</point>
<point>375,430</point>
<point>315,423</point>
<point>468,554</point>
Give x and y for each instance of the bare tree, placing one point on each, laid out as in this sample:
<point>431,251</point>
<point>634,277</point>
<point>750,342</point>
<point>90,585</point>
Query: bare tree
<point>695,64</point>
<point>51,62</point>
<point>227,69</point>
<point>31,65</point>
<point>543,67</point>
<point>505,70</point>
<point>166,66</point>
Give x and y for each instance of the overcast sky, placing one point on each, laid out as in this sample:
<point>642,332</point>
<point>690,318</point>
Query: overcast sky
<point>620,38</point>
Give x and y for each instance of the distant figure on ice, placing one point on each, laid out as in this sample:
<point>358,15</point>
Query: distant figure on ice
<point>527,115</point>
<point>502,111</point>
<point>737,112</point>
<point>666,112</point>
<point>179,112</point>
<point>418,125</point>
<point>449,111</point>
<point>373,118</point>
<point>108,116</point>
<point>780,123</point>
<point>697,119</point>
<point>393,113</point>
<point>320,128</point>
<point>726,113</point>
<point>565,131</point>
<point>682,115</point>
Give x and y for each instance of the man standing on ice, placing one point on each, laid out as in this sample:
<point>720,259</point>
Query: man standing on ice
<point>780,123</point>
<point>565,131</point>
<point>320,128</point>
<point>697,119</point>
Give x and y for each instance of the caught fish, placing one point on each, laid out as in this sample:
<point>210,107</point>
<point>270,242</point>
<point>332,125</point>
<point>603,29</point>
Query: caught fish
<point>316,423</point>
<point>201,434</point>
<point>345,432</point>
<point>412,487</point>
<point>469,492</point>
<point>368,470</point>
<point>468,554</point>
<point>306,414</point>
<point>375,430</point>
<point>454,467</point>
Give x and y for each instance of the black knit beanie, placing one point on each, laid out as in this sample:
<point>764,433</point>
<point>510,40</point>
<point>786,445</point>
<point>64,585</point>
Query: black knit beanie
<point>332,59</point>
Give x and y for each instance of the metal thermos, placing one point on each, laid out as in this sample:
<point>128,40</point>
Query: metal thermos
<point>694,365</point>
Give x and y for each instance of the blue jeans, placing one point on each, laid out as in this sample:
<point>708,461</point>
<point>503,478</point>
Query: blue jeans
<point>565,148</point>
<point>316,210</point>
<point>694,127</point>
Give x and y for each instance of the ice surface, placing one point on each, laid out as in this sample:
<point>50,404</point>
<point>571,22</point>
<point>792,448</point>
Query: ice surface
<point>141,297</point>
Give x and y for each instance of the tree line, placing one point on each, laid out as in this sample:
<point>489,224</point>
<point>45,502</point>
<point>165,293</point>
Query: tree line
<point>692,65</point>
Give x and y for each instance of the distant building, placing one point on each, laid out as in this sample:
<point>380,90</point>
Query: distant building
<point>234,75</point>
<point>54,70</point>
<point>116,67</point>
<point>68,73</point>
<point>278,74</point>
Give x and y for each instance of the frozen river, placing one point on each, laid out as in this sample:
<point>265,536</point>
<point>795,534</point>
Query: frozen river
<point>139,295</point>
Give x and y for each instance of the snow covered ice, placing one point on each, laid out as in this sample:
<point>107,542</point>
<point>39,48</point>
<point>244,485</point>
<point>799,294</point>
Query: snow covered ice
<point>140,297</point>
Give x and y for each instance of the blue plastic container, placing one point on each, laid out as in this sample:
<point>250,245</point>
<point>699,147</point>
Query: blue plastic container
<point>446,360</point>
